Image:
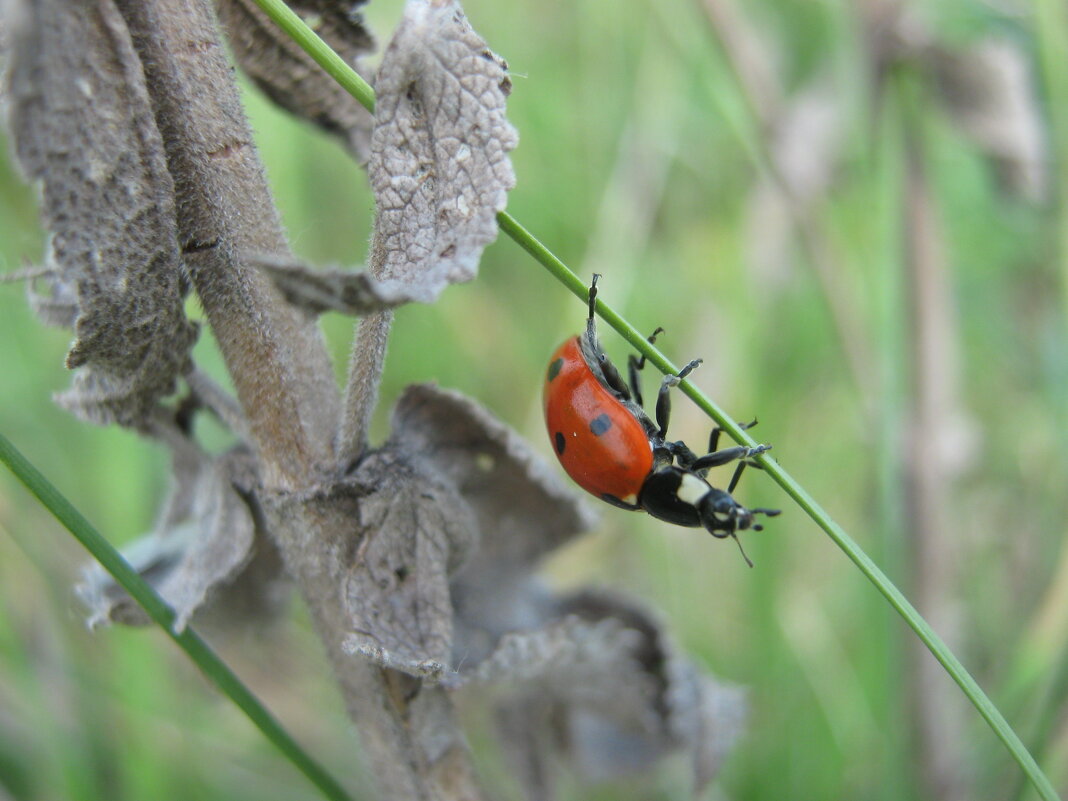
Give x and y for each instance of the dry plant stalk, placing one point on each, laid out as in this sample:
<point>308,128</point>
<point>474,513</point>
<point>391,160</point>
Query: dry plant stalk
<point>936,441</point>
<point>417,559</point>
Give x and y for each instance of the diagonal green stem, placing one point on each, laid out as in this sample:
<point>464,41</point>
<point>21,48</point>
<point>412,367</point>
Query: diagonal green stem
<point>188,640</point>
<point>322,54</point>
<point>897,600</point>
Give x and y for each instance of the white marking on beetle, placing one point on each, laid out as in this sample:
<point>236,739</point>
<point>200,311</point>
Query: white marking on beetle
<point>691,489</point>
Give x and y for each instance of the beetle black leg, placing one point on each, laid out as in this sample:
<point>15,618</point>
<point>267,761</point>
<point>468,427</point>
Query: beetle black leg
<point>612,376</point>
<point>736,477</point>
<point>635,365</point>
<point>681,454</point>
<point>591,326</point>
<point>713,438</point>
<point>726,455</point>
<point>743,464</point>
<point>717,458</point>
<point>663,398</point>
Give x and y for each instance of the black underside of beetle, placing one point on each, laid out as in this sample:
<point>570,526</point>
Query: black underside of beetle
<point>659,497</point>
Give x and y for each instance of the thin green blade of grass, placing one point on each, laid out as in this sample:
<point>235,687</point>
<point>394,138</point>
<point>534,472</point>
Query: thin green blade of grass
<point>324,56</point>
<point>897,600</point>
<point>188,640</point>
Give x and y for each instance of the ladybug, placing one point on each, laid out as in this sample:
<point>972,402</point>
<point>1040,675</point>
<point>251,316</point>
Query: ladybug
<point>612,449</point>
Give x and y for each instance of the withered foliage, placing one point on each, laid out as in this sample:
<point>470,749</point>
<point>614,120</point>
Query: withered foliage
<point>439,163</point>
<point>418,559</point>
<point>82,124</point>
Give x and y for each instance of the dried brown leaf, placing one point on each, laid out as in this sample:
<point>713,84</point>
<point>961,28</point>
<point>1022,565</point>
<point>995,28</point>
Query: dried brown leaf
<point>450,474</point>
<point>289,76</point>
<point>614,693</point>
<point>587,663</point>
<point>987,88</point>
<point>524,510</point>
<point>439,166</point>
<point>706,716</point>
<point>989,92</point>
<point>316,291</point>
<point>83,126</point>
<point>205,539</point>
<point>416,531</point>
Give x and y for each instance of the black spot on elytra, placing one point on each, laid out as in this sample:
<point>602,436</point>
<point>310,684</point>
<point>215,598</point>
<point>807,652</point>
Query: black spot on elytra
<point>600,424</point>
<point>560,443</point>
<point>554,368</point>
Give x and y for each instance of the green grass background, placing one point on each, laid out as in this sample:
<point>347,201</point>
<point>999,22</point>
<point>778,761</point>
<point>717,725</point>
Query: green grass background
<point>635,160</point>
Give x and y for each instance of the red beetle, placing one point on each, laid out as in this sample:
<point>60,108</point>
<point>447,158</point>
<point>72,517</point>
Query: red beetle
<point>609,446</point>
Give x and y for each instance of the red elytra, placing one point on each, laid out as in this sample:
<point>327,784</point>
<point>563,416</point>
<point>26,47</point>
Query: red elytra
<point>602,446</point>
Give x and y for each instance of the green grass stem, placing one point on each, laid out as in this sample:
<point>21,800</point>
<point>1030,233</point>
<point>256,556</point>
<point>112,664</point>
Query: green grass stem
<point>188,640</point>
<point>775,471</point>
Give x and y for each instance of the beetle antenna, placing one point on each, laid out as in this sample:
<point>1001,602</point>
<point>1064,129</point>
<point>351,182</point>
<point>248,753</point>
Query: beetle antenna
<point>748,561</point>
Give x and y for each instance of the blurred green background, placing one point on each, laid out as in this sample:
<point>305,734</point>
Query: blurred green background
<point>895,318</point>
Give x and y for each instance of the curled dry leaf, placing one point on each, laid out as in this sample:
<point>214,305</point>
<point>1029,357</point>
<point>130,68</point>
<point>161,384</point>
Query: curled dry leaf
<point>439,166</point>
<point>415,530</point>
<point>989,92</point>
<point>451,476</point>
<point>316,291</point>
<point>589,663</point>
<point>204,544</point>
<point>602,664</point>
<point>289,76</point>
<point>83,126</point>
<point>610,694</point>
<point>523,508</point>
<point>510,487</point>
<point>705,716</point>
